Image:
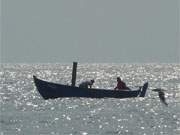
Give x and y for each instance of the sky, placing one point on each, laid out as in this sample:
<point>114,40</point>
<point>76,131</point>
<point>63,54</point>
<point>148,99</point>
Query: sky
<point>97,31</point>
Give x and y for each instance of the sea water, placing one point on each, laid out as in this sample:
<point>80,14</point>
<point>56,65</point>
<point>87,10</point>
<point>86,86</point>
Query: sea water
<point>24,112</point>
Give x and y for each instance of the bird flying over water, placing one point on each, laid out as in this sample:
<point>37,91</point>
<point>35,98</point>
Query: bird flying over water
<point>161,95</point>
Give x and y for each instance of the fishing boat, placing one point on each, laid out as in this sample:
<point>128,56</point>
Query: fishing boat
<point>50,90</point>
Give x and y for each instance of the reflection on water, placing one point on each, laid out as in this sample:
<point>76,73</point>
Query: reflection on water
<point>23,111</point>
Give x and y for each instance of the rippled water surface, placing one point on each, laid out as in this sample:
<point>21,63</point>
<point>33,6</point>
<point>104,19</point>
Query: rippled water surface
<point>24,112</point>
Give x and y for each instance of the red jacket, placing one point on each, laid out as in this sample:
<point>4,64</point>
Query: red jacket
<point>121,85</point>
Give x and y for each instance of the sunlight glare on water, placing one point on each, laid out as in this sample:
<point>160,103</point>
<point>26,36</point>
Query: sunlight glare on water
<point>23,111</point>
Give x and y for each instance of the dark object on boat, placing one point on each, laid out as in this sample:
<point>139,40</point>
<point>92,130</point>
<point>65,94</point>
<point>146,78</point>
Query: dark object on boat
<point>50,90</point>
<point>161,95</point>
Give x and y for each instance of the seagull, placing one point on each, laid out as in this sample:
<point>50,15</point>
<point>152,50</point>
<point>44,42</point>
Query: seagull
<point>161,95</point>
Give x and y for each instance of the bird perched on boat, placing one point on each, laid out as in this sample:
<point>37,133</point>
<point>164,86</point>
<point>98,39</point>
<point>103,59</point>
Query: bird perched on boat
<point>161,95</point>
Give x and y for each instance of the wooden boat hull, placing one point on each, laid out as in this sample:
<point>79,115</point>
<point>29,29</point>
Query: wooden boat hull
<point>49,90</point>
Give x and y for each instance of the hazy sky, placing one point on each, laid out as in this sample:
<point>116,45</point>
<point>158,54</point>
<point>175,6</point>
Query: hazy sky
<point>120,31</point>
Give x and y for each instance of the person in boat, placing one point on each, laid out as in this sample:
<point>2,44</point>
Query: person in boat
<point>121,85</point>
<point>86,84</point>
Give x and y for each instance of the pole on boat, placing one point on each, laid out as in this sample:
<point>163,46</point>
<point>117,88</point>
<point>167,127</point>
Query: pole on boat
<point>73,82</point>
